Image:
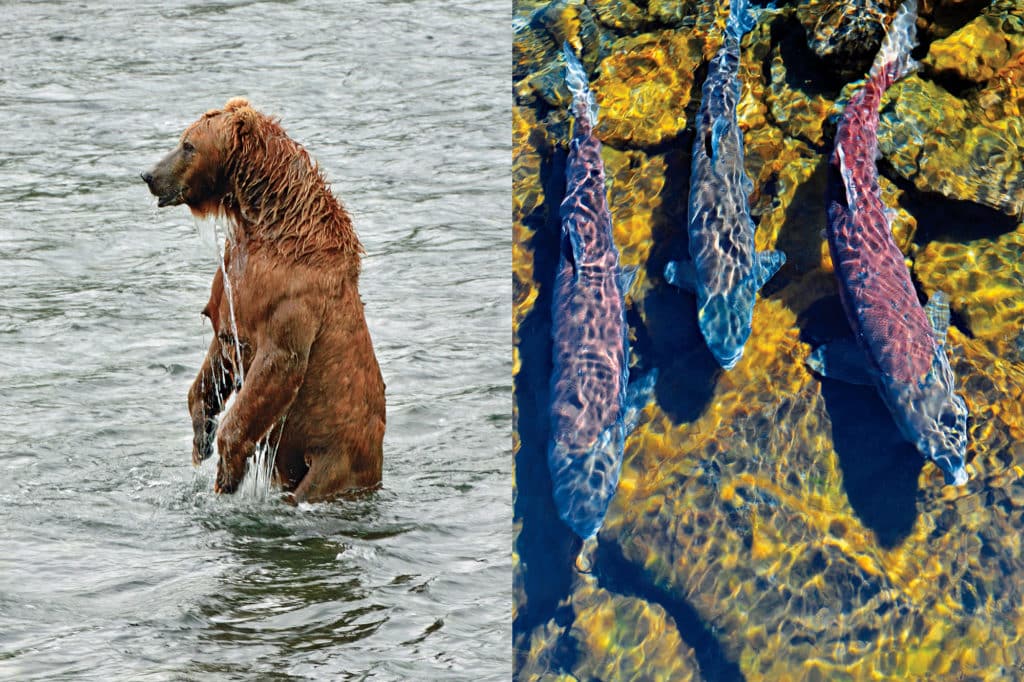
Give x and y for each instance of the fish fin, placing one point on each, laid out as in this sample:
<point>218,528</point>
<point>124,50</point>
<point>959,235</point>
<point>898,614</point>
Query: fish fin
<point>937,312</point>
<point>681,274</point>
<point>638,394</point>
<point>766,264</point>
<point>588,553</point>
<point>748,188</point>
<point>718,130</point>
<point>627,275</point>
<point>842,360</point>
<point>569,246</point>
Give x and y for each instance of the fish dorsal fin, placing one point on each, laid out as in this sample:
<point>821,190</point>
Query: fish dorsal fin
<point>937,311</point>
<point>638,394</point>
<point>570,247</point>
<point>681,274</point>
<point>766,264</point>
<point>627,275</point>
<point>718,130</point>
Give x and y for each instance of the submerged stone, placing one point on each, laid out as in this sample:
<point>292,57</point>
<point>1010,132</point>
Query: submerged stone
<point>627,638</point>
<point>935,140</point>
<point>644,86</point>
<point>983,278</point>
<point>977,51</point>
<point>845,35</point>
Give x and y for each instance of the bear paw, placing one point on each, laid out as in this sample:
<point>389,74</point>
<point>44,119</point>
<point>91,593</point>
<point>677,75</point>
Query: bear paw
<point>202,440</point>
<point>228,478</point>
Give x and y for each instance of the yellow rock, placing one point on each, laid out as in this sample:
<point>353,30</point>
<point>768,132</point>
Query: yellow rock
<point>644,86</point>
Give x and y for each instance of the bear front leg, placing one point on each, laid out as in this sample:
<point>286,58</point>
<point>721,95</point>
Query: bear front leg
<point>271,384</point>
<point>211,388</point>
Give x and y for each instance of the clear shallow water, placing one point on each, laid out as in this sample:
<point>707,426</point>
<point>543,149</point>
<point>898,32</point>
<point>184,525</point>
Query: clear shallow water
<point>116,558</point>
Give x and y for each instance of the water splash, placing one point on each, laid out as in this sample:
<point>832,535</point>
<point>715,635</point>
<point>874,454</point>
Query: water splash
<point>258,481</point>
<point>229,291</point>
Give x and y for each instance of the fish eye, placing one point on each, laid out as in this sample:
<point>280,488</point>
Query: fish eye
<point>948,419</point>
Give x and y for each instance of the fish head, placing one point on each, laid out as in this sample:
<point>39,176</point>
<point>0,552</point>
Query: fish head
<point>584,476</point>
<point>941,421</point>
<point>725,320</point>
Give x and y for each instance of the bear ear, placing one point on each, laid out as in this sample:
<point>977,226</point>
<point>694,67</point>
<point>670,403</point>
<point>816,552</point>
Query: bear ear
<point>244,116</point>
<point>236,103</point>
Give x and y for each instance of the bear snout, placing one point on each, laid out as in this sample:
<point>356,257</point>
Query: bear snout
<point>162,187</point>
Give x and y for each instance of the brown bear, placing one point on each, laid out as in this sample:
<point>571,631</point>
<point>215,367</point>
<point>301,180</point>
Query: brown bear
<point>290,336</point>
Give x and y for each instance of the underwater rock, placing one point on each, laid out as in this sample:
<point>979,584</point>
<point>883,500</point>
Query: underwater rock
<point>537,66</point>
<point>626,638</point>
<point>627,16</point>
<point>984,280</point>
<point>940,18</point>
<point>672,12</point>
<point>932,139</point>
<point>797,113</point>
<point>622,15</point>
<point>539,663</point>
<point>844,35</point>
<point>793,222</point>
<point>1003,97</point>
<point>644,86</point>
<point>635,183</point>
<point>526,200</point>
<point>615,638</point>
<point>977,51</point>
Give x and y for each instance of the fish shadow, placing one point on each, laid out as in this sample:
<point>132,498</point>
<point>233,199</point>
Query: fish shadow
<point>546,546</point>
<point>618,575</point>
<point>671,339</point>
<point>880,468</point>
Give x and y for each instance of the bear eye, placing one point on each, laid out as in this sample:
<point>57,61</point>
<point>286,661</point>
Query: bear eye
<point>187,146</point>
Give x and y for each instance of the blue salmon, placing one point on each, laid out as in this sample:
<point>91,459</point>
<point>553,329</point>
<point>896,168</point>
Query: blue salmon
<point>591,370</point>
<point>724,269</point>
<point>900,345</point>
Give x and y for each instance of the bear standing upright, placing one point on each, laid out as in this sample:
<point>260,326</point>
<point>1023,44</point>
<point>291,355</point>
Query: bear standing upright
<point>290,335</point>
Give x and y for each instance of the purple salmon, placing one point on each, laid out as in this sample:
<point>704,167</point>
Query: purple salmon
<point>901,345</point>
<point>590,369</point>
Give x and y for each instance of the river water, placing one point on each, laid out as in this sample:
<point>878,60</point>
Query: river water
<point>117,561</point>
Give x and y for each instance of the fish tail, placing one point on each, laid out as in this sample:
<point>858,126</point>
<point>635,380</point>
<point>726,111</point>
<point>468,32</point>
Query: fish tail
<point>741,18</point>
<point>893,60</point>
<point>576,80</point>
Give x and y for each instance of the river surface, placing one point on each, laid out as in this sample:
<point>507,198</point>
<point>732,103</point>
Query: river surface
<point>117,561</point>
